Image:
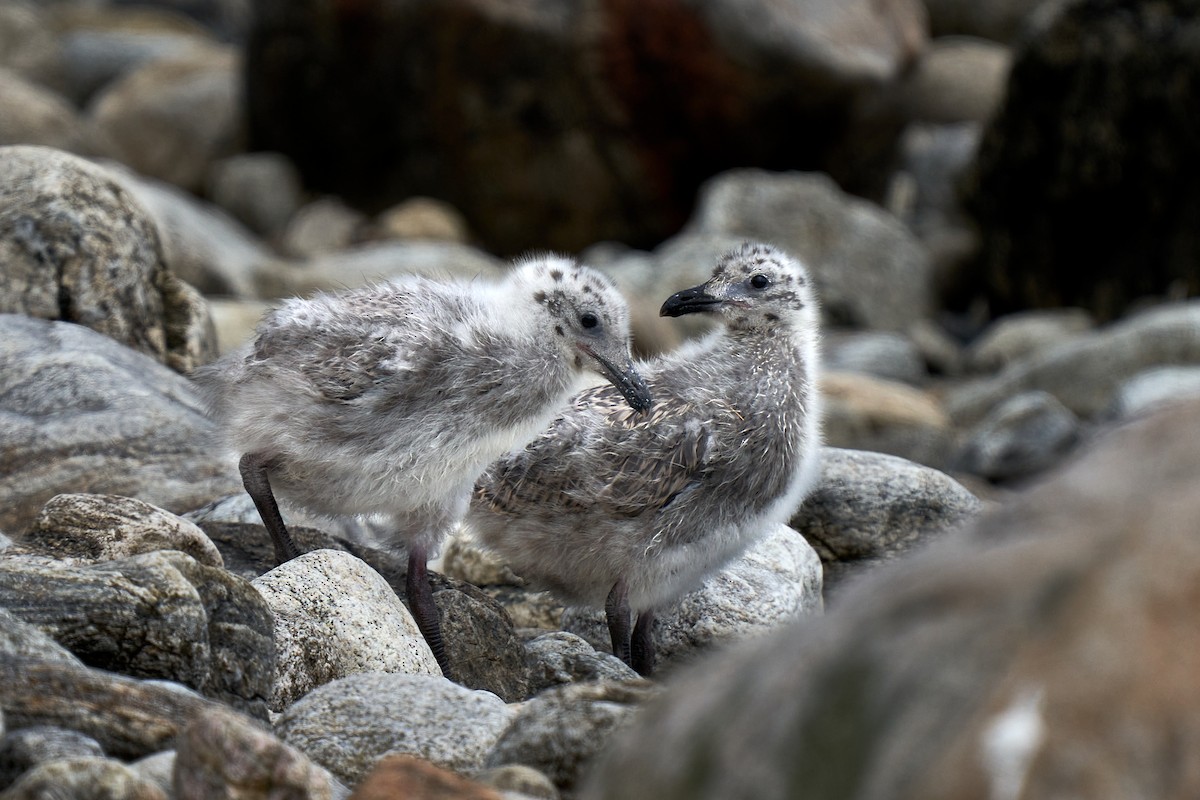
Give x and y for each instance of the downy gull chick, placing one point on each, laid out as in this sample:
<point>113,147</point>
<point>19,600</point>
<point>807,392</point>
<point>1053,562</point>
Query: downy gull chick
<point>392,399</point>
<point>614,509</point>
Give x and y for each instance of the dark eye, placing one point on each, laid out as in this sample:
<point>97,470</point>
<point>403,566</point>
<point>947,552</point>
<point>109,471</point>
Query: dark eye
<point>760,281</point>
<point>588,320</point>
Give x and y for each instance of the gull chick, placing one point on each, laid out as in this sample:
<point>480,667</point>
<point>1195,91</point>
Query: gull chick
<point>392,399</point>
<point>615,509</point>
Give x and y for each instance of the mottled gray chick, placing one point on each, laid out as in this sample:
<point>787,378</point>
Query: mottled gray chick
<point>392,399</point>
<point>611,508</point>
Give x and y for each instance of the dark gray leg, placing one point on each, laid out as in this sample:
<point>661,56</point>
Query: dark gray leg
<point>424,610</point>
<point>253,467</point>
<point>616,610</point>
<point>642,646</point>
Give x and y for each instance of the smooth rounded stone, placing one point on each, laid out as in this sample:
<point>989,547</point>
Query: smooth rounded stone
<point>158,769</point>
<point>869,269</point>
<point>464,558</point>
<point>83,779</point>
<point>326,225</point>
<point>519,782</point>
<point>869,508</point>
<point>1023,435</point>
<point>235,320</point>
<point>129,718</point>
<point>957,79</point>
<point>560,731</point>
<point>36,115</point>
<point>1084,373</point>
<point>885,355</point>
<point>349,724</point>
<point>202,245</point>
<point>335,616</point>
<point>28,45</point>
<point>371,263</point>
<point>1153,389</point>
<point>1037,653</point>
<point>80,412</point>
<point>530,611</point>
<point>221,754</point>
<point>481,641</point>
<point>105,527</point>
<point>560,657</point>
<point>421,218</point>
<point>172,117</point>
<point>76,246</point>
<point>862,412</point>
<point>25,748</point>
<point>938,349</point>
<point>1025,334</point>
<point>401,776</point>
<point>998,20</point>
<point>771,583</point>
<point>102,42</point>
<point>19,639</point>
<point>261,190</point>
<point>154,615</point>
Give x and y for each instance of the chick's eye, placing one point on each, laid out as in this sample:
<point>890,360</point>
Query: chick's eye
<point>760,281</point>
<point>588,320</point>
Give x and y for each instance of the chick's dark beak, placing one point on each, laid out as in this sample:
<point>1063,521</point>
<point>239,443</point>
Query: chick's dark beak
<point>628,381</point>
<point>690,301</point>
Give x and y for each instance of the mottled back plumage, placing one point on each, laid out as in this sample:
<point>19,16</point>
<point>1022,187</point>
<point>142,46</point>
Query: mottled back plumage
<point>729,448</point>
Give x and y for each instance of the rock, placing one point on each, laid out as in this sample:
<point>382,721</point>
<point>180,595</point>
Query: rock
<point>957,79</point>
<point>1148,391</point>
<point>325,225</point>
<point>203,246</point>
<point>335,616</point>
<point>101,43</point>
<point>23,749</point>
<point>1079,201</point>
<point>261,190</point>
<point>866,413</point>
<point>924,194</point>
<point>376,262</point>
<point>224,755</point>
<point>157,769</point>
<point>349,724</point>
<point>639,104</point>
<point>776,579</point>
<point>1084,373</point>
<point>560,657</point>
<point>128,717</point>
<point>938,349</point>
<point>869,270</point>
<point>561,731</point>
<point>1053,645</point>
<point>1025,334</point>
<point>885,355</point>
<point>235,321</point>
<point>19,639</point>
<point>869,508</point>
<point>481,642</point>
<point>401,776</point>
<point>421,218</point>
<point>998,20</point>
<point>519,780</point>
<point>81,413</point>
<point>172,118</point>
<point>1024,435</point>
<point>75,246</point>
<point>28,45</point>
<point>157,615</point>
<point>35,115</point>
<point>84,779</point>
<point>465,559</point>
<point>105,527</point>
